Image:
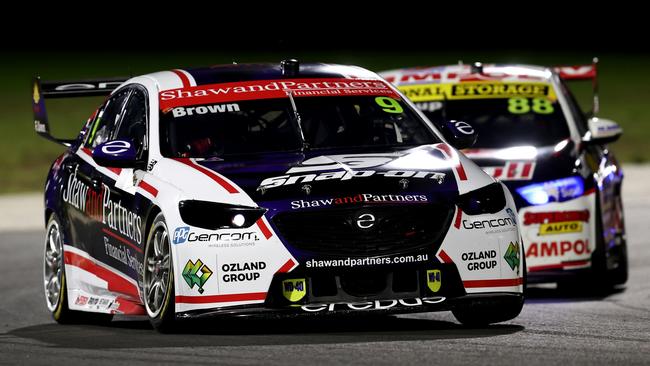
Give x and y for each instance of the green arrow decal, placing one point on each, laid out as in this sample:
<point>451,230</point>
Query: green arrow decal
<point>190,274</point>
<point>512,255</point>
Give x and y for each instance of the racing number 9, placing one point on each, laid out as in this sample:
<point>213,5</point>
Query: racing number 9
<point>389,105</point>
<point>522,105</point>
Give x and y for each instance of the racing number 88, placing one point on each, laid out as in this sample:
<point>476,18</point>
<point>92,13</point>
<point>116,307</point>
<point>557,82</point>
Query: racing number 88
<point>389,105</point>
<point>522,105</point>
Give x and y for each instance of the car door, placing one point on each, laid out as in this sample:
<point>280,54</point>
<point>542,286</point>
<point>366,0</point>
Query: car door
<point>83,191</point>
<point>123,233</point>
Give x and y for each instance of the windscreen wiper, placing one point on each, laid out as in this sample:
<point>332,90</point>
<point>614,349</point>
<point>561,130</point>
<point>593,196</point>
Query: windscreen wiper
<point>296,115</point>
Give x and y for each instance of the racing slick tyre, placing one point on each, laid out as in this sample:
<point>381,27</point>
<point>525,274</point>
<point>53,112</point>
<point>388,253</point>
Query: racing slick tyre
<point>158,278</point>
<point>54,282</point>
<point>609,267</point>
<point>488,312</point>
<point>619,274</point>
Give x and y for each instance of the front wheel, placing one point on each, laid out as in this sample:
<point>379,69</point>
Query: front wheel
<point>158,277</point>
<point>493,312</point>
<point>481,315</point>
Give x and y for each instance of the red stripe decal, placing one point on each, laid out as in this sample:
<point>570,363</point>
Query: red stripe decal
<point>544,267</point>
<point>265,230</point>
<point>115,170</point>
<point>494,283</point>
<point>112,234</point>
<point>512,169</point>
<point>184,78</point>
<point>576,263</point>
<point>497,172</point>
<point>449,154</point>
<point>222,182</point>
<point>558,265</point>
<point>459,216</point>
<point>88,152</point>
<point>445,258</point>
<point>148,187</point>
<point>221,298</point>
<point>287,266</point>
<point>526,172</point>
<point>445,149</point>
<point>129,307</point>
<point>115,282</point>
<point>461,171</point>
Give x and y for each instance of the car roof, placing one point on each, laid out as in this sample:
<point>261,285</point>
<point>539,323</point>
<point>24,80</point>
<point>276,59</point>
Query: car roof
<point>229,73</point>
<point>464,73</point>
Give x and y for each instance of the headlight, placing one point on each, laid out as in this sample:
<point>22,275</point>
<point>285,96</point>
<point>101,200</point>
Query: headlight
<point>212,215</point>
<point>489,199</point>
<point>559,190</point>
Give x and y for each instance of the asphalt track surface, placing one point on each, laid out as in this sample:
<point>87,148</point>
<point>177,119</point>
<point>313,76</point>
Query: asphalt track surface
<point>554,328</point>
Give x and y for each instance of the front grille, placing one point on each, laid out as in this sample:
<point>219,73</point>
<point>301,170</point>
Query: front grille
<point>335,231</point>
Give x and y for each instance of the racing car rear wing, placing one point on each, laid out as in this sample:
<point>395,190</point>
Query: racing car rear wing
<point>583,73</point>
<point>65,89</point>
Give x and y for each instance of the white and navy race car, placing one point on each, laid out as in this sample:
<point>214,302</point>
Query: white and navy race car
<point>263,189</point>
<point>533,136</point>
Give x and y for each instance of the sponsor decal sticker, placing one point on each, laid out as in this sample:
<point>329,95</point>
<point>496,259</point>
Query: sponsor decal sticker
<point>481,260</point>
<point>476,90</point>
<point>294,289</point>
<point>242,272</point>
<point>285,180</point>
<point>434,280</point>
<point>267,89</point>
<point>360,198</point>
<point>181,234</point>
<point>367,261</point>
<point>489,223</point>
<point>81,300</point>
<point>512,170</point>
<point>344,167</point>
<point>374,305</point>
<point>558,248</point>
<point>98,205</point>
<point>560,228</point>
<point>532,218</point>
<point>116,147</point>
<point>123,255</point>
<point>211,109</point>
<point>192,277</point>
<point>512,256</point>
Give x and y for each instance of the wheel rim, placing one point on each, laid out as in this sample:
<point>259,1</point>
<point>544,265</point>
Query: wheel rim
<point>53,265</point>
<point>157,270</point>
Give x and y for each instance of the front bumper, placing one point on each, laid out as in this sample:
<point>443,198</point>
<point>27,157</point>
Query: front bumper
<point>376,307</point>
<point>395,290</point>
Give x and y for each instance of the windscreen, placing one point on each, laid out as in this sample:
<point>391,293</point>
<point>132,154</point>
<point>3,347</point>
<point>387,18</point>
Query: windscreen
<point>316,118</point>
<point>504,114</point>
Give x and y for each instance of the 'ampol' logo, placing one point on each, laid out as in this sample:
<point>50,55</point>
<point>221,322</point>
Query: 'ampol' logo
<point>180,234</point>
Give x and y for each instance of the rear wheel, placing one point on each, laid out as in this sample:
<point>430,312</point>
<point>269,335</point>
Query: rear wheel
<point>158,278</point>
<point>619,273</point>
<point>609,265</point>
<point>54,281</point>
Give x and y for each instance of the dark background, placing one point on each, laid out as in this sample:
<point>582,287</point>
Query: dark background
<point>119,39</point>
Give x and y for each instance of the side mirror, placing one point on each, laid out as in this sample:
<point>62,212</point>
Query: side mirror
<point>460,134</point>
<point>602,131</point>
<point>115,154</point>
